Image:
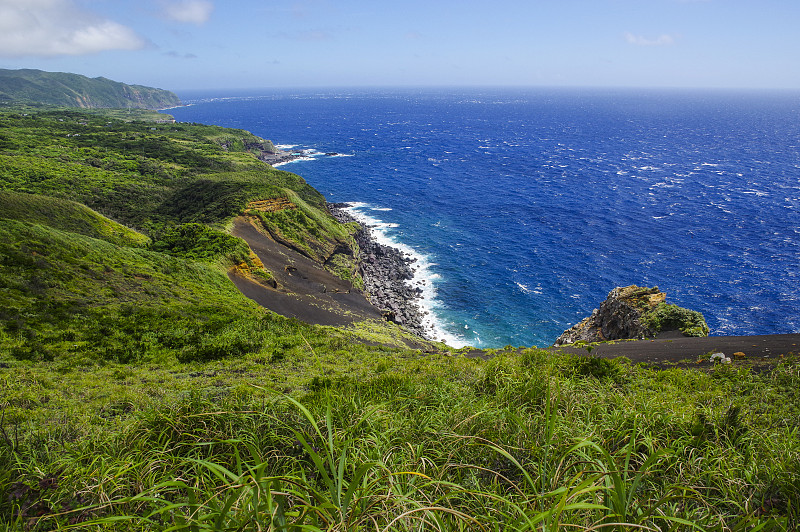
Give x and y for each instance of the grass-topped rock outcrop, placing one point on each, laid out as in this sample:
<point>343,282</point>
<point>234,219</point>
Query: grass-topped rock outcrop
<point>634,312</point>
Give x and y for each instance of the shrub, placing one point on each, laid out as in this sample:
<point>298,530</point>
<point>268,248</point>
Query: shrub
<point>665,317</point>
<point>240,338</point>
<point>599,368</point>
<point>200,242</point>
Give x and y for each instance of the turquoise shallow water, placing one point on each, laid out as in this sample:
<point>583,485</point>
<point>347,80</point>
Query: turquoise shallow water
<point>526,207</point>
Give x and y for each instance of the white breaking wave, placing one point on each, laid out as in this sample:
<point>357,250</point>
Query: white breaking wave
<point>297,160</point>
<point>306,154</point>
<point>309,154</point>
<point>424,277</point>
<point>525,289</point>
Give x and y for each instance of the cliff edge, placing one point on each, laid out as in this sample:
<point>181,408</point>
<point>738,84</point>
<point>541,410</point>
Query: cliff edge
<point>634,312</point>
<point>29,86</point>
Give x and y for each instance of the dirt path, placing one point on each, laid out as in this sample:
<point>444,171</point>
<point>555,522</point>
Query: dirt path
<point>686,351</point>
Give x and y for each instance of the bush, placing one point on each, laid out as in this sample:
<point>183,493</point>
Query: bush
<point>200,242</point>
<point>599,368</point>
<point>238,339</point>
<point>665,317</point>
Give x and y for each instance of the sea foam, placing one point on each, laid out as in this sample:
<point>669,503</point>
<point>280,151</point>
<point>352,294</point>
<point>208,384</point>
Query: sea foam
<point>424,277</point>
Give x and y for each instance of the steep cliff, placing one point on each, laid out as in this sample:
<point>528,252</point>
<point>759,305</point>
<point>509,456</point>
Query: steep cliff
<point>73,90</point>
<point>634,312</point>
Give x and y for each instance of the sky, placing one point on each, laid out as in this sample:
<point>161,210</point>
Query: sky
<point>210,44</point>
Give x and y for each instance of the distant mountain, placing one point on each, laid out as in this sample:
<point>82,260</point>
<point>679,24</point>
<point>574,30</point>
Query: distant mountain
<point>74,90</point>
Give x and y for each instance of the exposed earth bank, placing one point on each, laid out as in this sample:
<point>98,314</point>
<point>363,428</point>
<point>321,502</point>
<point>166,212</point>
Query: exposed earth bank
<point>306,291</point>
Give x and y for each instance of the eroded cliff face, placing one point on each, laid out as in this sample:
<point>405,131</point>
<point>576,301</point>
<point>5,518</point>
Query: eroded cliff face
<point>633,312</point>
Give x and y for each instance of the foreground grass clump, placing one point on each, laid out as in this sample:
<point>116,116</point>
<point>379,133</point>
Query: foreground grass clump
<point>392,441</point>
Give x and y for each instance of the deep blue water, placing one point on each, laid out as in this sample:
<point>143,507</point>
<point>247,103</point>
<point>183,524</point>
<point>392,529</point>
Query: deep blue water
<point>526,207</point>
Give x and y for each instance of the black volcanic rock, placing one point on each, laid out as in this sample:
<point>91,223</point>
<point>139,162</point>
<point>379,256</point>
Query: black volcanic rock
<point>385,271</point>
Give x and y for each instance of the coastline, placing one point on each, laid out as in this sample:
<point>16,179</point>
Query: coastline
<point>386,272</point>
<point>288,154</point>
<point>280,157</point>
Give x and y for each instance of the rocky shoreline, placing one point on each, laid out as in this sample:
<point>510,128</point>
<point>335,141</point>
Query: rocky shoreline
<point>285,156</point>
<point>386,272</point>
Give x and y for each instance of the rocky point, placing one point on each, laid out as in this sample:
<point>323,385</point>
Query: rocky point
<point>634,312</point>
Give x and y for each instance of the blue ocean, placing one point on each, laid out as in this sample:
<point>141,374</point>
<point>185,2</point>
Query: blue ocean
<point>525,207</point>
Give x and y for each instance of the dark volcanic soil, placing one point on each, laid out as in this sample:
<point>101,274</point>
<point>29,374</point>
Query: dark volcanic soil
<point>306,291</point>
<point>674,349</point>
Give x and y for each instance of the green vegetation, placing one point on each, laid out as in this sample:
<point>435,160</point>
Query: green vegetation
<point>73,90</point>
<point>67,216</point>
<point>666,317</point>
<point>308,229</point>
<point>658,316</point>
<point>200,242</point>
<point>75,284</point>
<point>140,173</point>
<point>139,390</point>
<point>389,440</point>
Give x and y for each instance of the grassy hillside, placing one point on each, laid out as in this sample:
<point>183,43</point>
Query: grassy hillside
<point>69,270</point>
<point>73,90</point>
<point>140,173</point>
<point>139,390</point>
<point>67,216</point>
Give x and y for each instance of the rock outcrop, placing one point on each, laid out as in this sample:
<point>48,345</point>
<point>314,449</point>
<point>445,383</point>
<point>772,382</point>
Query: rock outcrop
<point>634,312</point>
<point>271,205</point>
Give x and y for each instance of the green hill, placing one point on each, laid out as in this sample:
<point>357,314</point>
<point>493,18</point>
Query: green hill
<point>180,185</point>
<point>67,216</point>
<point>73,90</point>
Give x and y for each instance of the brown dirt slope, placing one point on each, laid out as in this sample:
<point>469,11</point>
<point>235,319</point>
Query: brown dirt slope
<point>308,292</point>
<point>305,291</point>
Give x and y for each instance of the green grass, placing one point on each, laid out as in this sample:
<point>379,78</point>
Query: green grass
<point>67,216</point>
<point>68,296</point>
<point>395,442</point>
<point>141,174</point>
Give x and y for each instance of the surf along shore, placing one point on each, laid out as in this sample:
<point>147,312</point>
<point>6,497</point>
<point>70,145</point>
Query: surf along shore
<point>386,272</point>
<point>303,289</point>
<point>310,293</point>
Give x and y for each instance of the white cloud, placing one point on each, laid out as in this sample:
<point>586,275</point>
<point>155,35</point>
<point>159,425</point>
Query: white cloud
<point>58,27</point>
<point>176,55</point>
<point>191,11</point>
<point>661,40</point>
